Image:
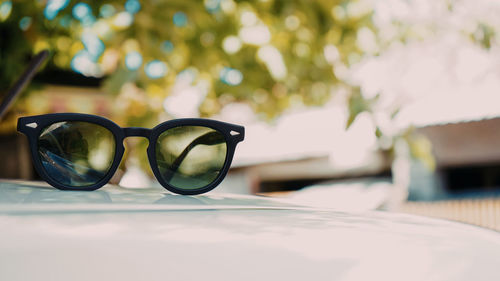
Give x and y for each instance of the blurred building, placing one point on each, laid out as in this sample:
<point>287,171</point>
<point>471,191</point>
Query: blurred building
<point>467,156</point>
<point>466,153</point>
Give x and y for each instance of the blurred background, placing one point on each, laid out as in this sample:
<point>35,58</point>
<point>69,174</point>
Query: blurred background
<point>352,105</point>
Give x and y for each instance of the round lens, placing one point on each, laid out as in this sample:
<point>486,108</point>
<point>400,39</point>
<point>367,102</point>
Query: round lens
<point>75,153</point>
<point>190,157</point>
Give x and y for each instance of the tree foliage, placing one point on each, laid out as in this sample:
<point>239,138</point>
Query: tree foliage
<point>268,54</point>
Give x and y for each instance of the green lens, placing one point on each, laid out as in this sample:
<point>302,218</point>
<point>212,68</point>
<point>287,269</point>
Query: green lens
<point>190,157</point>
<point>75,153</point>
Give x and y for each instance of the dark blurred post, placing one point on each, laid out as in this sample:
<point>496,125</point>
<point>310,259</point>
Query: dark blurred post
<point>15,159</point>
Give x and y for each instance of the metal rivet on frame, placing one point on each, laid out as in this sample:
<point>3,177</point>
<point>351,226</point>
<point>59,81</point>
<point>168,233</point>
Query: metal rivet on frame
<point>32,125</point>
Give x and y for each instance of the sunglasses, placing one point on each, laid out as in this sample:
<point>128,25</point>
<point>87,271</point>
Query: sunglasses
<point>74,151</point>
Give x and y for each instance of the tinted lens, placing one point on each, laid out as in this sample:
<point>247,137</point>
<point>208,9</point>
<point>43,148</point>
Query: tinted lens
<point>76,153</point>
<point>190,157</point>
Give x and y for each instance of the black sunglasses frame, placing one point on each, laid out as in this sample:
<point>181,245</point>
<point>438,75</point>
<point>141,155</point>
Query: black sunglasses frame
<point>32,126</point>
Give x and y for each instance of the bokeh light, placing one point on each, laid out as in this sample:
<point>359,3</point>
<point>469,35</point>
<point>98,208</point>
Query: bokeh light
<point>231,76</point>
<point>132,6</point>
<point>133,60</point>
<point>5,9</point>
<point>231,44</point>
<point>123,20</point>
<point>156,69</point>
<point>180,19</point>
<point>107,11</point>
<point>25,23</point>
<point>187,76</point>
<point>81,11</point>
<point>168,46</point>
<point>248,18</point>
<point>292,22</point>
<point>93,45</point>
<point>53,7</point>
<point>273,60</point>
<point>102,29</point>
<point>83,63</point>
<point>212,6</point>
<point>255,35</point>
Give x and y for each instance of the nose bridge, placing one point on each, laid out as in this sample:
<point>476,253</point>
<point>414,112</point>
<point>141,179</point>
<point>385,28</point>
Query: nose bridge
<point>137,132</point>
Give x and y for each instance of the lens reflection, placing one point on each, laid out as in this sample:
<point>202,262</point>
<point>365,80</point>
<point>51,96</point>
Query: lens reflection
<point>76,153</point>
<point>190,157</point>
